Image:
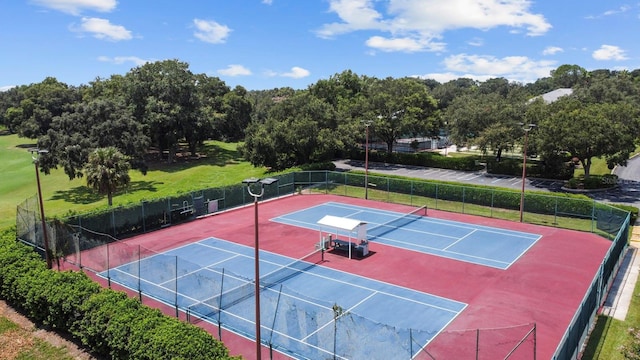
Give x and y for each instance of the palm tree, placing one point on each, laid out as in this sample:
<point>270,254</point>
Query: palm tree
<point>107,170</point>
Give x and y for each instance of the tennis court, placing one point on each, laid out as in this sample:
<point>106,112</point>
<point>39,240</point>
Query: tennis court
<point>307,311</point>
<point>477,244</point>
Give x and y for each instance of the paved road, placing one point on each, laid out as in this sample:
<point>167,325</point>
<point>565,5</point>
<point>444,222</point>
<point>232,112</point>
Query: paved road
<point>627,191</point>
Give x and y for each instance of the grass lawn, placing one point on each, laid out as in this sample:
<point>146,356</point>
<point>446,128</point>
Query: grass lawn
<point>221,165</point>
<point>610,334</point>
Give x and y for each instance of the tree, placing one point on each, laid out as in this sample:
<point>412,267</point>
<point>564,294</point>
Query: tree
<point>95,123</point>
<point>400,107</point>
<point>298,130</point>
<point>469,116</point>
<point>107,171</point>
<point>590,130</point>
<point>568,76</point>
<point>450,90</point>
<point>236,116</point>
<point>40,104</point>
<point>163,96</point>
<point>10,99</point>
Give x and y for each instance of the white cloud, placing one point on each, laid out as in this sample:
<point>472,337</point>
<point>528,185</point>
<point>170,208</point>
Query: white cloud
<point>403,44</point>
<point>75,7</point>
<point>103,29</point>
<point>476,42</point>
<point>481,68</point>
<point>234,70</point>
<point>297,73</point>
<point>210,31</point>
<point>609,52</point>
<point>421,21</point>
<point>268,2</point>
<point>6,87</point>
<point>620,10</point>
<point>552,50</point>
<point>118,60</point>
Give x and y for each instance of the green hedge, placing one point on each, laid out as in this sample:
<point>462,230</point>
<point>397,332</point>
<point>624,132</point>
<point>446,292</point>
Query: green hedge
<point>107,322</point>
<point>428,159</point>
<point>547,169</point>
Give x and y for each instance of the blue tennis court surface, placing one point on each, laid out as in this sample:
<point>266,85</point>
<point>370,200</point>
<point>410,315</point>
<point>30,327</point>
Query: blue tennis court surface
<point>307,310</point>
<point>482,245</point>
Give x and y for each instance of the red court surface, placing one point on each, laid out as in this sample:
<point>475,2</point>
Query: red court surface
<point>545,286</point>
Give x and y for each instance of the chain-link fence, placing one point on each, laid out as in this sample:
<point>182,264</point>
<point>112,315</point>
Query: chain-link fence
<point>512,342</point>
<point>90,240</point>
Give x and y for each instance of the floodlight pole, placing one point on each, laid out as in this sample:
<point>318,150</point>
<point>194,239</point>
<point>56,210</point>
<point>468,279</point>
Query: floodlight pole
<point>256,196</point>
<point>524,166</point>
<point>366,123</point>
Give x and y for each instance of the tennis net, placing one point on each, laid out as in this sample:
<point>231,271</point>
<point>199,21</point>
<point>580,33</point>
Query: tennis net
<point>246,291</point>
<point>293,269</point>
<point>404,220</point>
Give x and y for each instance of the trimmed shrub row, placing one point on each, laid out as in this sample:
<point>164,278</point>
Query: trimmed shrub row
<point>551,168</point>
<point>107,322</point>
<point>428,159</point>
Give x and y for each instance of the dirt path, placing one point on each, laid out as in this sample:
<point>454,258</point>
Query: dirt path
<point>14,341</point>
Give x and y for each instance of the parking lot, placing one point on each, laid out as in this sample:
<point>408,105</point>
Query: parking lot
<point>468,177</point>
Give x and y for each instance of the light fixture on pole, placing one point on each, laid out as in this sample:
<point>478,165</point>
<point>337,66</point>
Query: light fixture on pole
<point>256,196</point>
<point>35,155</point>
<point>524,165</point>
<point>366,123</point>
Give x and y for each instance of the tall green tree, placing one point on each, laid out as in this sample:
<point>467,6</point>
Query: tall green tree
<point>236,115</point>
<point>297,131</point>
<point>400,107</point>
<point>107,171</point>
<point>568,76</point>
<point>95,123</point>
<point>587,131</point>
<point>40,103</point>
<point>163,96</point>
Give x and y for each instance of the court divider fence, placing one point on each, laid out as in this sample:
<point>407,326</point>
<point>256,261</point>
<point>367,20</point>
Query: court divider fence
<point>82,239</point>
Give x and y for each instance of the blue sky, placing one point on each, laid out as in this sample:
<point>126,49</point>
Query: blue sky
<point>265,44</point>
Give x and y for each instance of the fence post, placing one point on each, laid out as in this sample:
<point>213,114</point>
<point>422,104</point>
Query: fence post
<point>344,182</point>
<point>477,344</point>
<point>108,269</point>
<point>463,198</point>
<point>113,222</point>
<point>144,220</point>
<point>139,275</point>
<point>535,340</point>
<point>493,194</point>
<point>175,291</point>
<point>411,195</point>
<point>593,216</point>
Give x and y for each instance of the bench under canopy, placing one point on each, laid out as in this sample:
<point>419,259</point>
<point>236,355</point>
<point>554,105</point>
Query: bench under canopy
<point>351,228</point>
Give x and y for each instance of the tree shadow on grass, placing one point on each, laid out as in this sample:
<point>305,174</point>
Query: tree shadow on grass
<point>208,154</point>
<point>84,195</point>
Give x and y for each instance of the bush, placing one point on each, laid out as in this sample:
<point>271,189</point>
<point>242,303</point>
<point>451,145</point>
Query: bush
<point>107,322</point>
<point>428,159</point>
<point>593,182</point>
<point>328,165</point>
<point>547,168</point>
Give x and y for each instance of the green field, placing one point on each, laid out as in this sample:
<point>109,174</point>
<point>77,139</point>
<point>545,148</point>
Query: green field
<point>63,196</point>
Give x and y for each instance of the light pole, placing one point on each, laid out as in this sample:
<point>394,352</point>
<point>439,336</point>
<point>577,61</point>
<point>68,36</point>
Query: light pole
<point>524,165</point>
<point>256,196</point>
<point>35,155</point>
<point>366,123</point>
